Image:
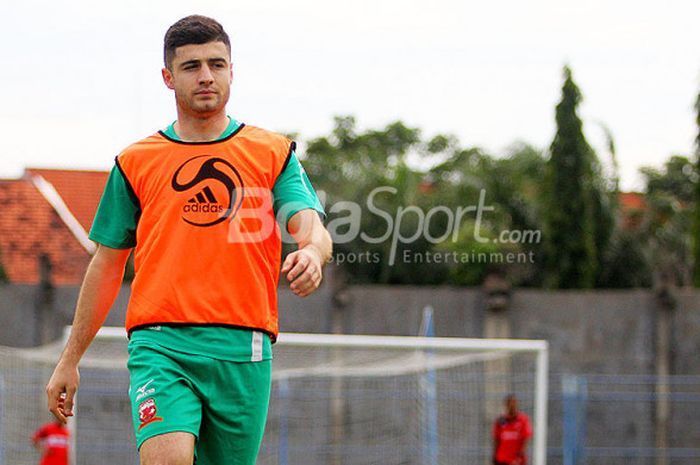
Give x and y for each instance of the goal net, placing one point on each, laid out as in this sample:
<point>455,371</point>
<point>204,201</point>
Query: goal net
<point>336,399</point>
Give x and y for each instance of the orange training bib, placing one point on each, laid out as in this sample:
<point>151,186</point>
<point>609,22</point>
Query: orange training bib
<point>208,247</point>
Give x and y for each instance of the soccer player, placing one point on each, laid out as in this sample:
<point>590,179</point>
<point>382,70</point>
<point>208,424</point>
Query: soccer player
<point>199,202</point>
<point>52,440</point>
<point>511,433</point>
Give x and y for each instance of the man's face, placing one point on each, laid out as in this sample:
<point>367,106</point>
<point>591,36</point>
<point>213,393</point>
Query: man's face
<point>512,406</point>
<point>201,77</point>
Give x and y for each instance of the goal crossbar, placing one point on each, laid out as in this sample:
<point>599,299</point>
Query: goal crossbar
<point>388,342</point>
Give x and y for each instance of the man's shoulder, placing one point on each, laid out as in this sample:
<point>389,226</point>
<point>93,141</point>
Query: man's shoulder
<point>263,137</point>
<point>153,142</point>
<point>251,129</point>
<point>49,428</point>
<point>56,429</point>
<point>42,428</point>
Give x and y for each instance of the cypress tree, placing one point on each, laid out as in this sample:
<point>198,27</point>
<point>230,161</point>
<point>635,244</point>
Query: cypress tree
<point>571,236</point>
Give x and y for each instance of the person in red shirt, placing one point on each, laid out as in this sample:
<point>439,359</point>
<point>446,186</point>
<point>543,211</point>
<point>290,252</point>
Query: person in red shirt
<point>52,440</point>
<point>511,433</point>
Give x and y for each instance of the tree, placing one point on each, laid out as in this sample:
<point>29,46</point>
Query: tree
<point>513,186</point>
<point>348,166</point>
<point>655,246</point>
<point>626,263</point>
<point>667,224</point>
<point>459,182</point>
<point>696,210</point>
<point>578,214</point>
<point>675,179</point>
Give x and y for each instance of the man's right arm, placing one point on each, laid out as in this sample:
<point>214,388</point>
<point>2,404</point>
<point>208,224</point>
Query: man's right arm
<point>496,440</point>
<point>97,294</point>
<point>37,438</point>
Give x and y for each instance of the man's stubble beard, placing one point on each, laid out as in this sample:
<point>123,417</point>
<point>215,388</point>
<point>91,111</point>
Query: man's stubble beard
<point>202,109</point>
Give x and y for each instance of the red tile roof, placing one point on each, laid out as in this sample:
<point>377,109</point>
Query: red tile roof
<point>30,227</point>
<point>632,201</point>
<point>633,205</point>
<point>80,190</point>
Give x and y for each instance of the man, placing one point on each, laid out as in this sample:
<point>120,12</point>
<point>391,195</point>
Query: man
<point>511,433</point>
<point>198,202</point>
<point>52,440</point>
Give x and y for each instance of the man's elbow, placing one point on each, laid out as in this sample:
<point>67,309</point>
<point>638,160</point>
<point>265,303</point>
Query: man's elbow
<point>327,245</point>
<point>307,229</point>
<point>107,264</point>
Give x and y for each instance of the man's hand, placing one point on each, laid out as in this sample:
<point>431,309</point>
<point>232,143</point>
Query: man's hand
<point>61,390</point>
<point>97,294</point>
<point>39,444</point>
<point>304,270</point>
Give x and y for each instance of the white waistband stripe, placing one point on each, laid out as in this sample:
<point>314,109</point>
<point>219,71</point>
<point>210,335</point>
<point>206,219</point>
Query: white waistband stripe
<point>257,353</point>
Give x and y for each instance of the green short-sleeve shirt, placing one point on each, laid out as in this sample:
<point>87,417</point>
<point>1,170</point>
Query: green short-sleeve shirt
<point>115,226</point>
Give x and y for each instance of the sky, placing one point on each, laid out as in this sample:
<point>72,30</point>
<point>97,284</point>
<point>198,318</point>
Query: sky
<point>82,78</point>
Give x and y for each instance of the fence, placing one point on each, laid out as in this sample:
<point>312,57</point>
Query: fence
<point>625,419</point>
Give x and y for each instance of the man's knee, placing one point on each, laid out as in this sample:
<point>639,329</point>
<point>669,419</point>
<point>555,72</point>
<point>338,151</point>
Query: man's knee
<point>168,449</point>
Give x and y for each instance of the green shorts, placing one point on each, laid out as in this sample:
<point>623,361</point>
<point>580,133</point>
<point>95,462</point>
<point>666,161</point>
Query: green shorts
<point>222,403</point>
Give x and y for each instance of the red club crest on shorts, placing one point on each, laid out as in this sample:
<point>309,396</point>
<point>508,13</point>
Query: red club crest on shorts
<point>147,412</point>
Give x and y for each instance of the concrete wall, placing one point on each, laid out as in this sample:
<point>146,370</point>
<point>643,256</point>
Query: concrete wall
<point>30,316</point>
<point>686,333</point>
<point>602,333</point>
<point>18,316</point>
<point>589,331</point>
<point>685,359</point>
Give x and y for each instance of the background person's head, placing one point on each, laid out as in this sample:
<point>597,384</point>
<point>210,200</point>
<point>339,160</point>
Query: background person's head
<point>511,405</point>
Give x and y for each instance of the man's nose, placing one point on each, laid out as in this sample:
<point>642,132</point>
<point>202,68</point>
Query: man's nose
<point>205,75</point>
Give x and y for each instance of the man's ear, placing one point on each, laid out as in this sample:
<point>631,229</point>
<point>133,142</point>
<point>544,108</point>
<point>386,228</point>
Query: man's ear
<point>230,78</point>
<point>168,78</point>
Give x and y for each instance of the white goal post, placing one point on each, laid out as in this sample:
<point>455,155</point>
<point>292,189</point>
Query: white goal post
<point>335,368</point>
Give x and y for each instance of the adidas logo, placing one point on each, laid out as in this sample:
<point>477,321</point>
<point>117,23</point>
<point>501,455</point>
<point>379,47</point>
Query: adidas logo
<point>203,202</point>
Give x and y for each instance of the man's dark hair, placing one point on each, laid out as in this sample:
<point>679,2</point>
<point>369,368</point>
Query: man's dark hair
<point>194,29</point>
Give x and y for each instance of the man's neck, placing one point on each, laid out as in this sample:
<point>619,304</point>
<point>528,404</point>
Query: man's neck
<point>194,129</point>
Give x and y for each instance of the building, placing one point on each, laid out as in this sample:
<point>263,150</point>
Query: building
<point>46,216</point>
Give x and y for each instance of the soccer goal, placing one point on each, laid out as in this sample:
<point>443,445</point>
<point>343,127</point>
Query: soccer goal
<point>336,399</point>
<point>365,400</point>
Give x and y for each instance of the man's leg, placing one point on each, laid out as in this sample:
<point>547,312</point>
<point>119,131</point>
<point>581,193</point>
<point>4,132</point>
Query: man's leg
<point>234,412</point>
<point>168,449</point>
<point>166,409</point>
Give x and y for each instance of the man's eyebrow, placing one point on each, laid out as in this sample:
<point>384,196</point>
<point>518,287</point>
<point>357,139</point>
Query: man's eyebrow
<point>197,61</point>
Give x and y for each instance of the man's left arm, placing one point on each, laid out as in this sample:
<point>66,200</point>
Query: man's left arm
<point>38,438</point>
<point>527,435</point>
<point>304,267</point>
<point>496,436</point>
